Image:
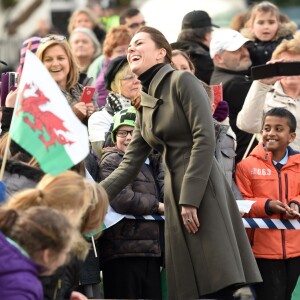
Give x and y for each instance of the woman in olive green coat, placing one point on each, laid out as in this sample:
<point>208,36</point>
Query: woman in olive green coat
<point>207,251</point>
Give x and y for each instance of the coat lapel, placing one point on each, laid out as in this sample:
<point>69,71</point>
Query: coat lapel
<point>148,101</point>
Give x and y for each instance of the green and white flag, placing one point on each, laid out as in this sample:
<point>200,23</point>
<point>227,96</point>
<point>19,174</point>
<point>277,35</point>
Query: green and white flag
<point>111,218</point>
<point>44,123</point>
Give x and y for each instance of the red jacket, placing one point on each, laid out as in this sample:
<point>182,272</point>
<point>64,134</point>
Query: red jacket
<point>259,180</point>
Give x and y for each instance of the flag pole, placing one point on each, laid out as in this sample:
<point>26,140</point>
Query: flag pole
<point>94,247</point>
<point>4,160</point>
<point>249,146</point>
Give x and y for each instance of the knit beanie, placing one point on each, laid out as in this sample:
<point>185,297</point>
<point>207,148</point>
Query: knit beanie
<point>35,42</point>
<point>123,117</point>
<point>221,111</point>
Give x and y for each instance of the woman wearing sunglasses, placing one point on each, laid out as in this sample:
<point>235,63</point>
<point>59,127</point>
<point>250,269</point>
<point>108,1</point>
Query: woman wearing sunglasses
<point>55,53</point>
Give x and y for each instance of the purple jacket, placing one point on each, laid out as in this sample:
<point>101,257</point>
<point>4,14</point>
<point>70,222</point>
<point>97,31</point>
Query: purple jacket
<point>18,274</point>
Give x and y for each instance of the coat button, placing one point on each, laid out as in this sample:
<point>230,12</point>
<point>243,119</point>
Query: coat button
<point>160,101</point>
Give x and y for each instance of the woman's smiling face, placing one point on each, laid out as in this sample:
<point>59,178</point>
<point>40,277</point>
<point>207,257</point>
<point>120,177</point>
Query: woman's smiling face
<point>143,53</point>
<point>56,61</point>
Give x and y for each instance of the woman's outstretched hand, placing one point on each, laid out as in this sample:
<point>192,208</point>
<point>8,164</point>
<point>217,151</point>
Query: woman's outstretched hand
<point>190,218</point>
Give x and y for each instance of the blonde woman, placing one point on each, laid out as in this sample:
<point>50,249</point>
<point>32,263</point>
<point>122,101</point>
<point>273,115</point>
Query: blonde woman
<point>124,90</point>
<point>55,53</point>
<point>273,92</point>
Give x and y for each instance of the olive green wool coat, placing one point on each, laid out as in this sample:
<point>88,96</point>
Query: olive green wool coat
<point>175,119</point>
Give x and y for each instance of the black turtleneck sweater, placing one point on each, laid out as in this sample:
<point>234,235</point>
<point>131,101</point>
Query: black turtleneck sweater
<point>148,75</point>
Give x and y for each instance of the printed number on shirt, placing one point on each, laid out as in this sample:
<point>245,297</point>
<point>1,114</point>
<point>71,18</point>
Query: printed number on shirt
<point>263,172</point>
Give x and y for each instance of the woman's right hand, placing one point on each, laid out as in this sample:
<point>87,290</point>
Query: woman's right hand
<point>81,106</point>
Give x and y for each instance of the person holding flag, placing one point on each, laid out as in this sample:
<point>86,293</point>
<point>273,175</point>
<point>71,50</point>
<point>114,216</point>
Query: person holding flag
<point>44,124</point>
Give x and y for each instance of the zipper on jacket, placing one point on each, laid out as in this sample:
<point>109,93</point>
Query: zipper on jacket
<point>286,181</point>
<point>281,215</point>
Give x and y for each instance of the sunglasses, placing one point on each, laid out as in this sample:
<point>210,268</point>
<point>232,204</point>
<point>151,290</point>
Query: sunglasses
<point>53,38</point>
<point>136,25</point>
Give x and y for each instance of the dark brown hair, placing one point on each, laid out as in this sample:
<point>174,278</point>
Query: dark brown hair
<point>160,41</point>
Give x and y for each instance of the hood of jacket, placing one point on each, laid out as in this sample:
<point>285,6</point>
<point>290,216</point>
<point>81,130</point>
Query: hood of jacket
<point>192,47</point>
<point>19,176</point>
<point>18,274</point>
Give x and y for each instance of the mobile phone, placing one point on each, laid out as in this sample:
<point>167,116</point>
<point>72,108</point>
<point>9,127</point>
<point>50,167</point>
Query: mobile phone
<point>87,94</point>
<point>13,78</point>
<point>290,68</point>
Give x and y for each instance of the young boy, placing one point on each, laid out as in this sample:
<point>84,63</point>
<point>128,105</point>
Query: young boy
<point>271,177</point>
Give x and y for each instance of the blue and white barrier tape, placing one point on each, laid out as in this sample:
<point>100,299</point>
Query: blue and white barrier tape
<point>271,223</point>
<point>146,217</point>
<point>248,222</point>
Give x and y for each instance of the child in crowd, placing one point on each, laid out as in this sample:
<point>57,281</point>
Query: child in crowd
<point>271,177</point>
<point>69,193</point>
<point>131,250</point>
<point>85,204</point>
<point>181,61</point>
<point>32,242</point>
<point>266,31</point>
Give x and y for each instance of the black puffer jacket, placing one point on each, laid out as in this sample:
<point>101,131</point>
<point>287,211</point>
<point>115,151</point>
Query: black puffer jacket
<point>132,238</point>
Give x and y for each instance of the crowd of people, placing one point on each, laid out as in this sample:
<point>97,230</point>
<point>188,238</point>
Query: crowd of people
<point>178,132</point>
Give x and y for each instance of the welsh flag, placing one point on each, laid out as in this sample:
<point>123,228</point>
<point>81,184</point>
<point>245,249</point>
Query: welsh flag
<point>44,123</point>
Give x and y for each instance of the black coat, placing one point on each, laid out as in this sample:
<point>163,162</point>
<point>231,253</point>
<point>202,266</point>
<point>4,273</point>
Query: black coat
<point>200,57</point>
<point>133,238</point>
<point>261,52</point>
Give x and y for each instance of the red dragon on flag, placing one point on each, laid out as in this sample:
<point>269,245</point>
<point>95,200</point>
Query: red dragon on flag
<point>32,99</point>
<point>44,123</point>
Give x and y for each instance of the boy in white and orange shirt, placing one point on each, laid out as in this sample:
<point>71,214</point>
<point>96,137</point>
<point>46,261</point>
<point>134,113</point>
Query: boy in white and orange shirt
<point>271,177</point>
